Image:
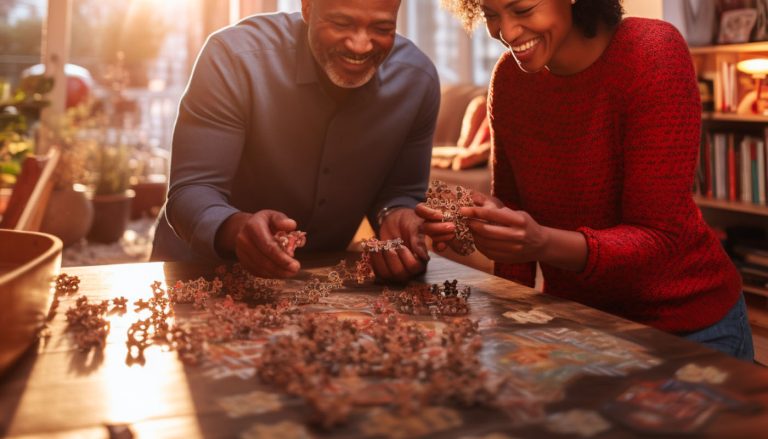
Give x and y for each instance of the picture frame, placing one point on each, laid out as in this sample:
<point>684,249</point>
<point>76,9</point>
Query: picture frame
<point>736,25</point>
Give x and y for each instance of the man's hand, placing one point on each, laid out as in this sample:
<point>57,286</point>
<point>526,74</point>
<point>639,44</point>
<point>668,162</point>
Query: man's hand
<point>411,259</point>
<point>251,238</point>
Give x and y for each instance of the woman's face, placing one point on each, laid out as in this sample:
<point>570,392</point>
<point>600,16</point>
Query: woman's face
<point>535,31</point>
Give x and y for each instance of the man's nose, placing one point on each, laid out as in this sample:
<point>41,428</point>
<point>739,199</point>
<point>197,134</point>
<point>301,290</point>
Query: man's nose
<point>359,42</point>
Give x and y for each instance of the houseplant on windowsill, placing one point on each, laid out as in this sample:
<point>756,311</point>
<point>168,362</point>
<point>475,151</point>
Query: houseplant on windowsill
<point>19,113</point>
<point>112,196</point>
<point>69,214</point>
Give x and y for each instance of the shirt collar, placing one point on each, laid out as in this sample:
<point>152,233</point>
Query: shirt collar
<point>306,70</point>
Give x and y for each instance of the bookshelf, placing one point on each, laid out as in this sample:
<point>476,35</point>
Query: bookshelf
<point>761,46</point>
<point>733,206</point>
<point>718,116</point>
<point>729,87</point>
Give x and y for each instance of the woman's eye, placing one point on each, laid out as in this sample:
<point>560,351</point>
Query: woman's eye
<point>523,11</point>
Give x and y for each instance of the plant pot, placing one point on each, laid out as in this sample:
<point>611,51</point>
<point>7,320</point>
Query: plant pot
<point>111,214</point>
<point>150,197</point>
<point>69,215</point>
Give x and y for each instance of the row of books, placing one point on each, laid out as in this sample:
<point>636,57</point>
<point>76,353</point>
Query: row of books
<point>753,265</point>
<point>733,167</point>
<point>726,88</point>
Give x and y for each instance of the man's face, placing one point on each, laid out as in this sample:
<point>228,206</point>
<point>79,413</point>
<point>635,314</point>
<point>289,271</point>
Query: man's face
<point>350,38</point>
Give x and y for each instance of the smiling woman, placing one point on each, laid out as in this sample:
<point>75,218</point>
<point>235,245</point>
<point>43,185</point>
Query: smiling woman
<point>595,130</point>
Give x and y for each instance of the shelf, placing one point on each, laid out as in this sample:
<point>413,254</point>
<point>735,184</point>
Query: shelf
<point>760,340</point>
<point>733,206</point>
<point>733,117</point>
<point>755,290</point>
<point>760,46</point>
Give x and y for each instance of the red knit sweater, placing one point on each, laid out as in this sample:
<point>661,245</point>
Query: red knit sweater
<point>611,152</point>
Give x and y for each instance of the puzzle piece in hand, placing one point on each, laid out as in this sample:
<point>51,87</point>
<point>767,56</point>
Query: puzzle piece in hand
<point>290,241</point>
<point>449,199</point>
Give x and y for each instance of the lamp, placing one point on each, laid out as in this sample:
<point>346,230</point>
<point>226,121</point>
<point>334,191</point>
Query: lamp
<point>758,68</point>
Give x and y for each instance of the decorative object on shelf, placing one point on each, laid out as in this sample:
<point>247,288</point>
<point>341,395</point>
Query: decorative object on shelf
<point>753,102</point>
<point>761,24</point>
<point>706,93</point>
<point>736,25</point>
<point>700,21</point>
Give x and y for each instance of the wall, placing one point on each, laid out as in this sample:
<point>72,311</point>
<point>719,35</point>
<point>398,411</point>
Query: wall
<point>644,8</point>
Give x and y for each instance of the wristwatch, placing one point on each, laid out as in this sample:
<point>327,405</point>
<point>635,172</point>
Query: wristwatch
<point>384,212</point>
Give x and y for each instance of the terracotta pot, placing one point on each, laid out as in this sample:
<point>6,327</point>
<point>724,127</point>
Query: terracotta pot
<point>68,216</point>
<point>150,197</point>
<point>111,214</point>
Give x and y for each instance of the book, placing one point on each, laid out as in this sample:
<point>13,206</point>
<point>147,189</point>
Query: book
<point>731,164</point>
<point>706,162</point>
<point>719,166</point>
<point>760,179</point>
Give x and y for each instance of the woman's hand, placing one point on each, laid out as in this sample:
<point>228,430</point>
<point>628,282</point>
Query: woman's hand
<point>514,237</point>
<point>503,234</point>
<point>442,233</point>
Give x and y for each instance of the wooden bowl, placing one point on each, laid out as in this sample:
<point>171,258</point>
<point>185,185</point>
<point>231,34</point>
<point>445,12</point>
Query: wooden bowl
<point>29,263</point>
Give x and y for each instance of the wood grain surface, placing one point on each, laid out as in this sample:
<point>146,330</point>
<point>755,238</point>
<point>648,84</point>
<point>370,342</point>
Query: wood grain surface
<point>577,372</point>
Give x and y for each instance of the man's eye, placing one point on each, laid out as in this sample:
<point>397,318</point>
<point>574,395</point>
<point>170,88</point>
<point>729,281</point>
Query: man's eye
<point>384,30</point>
<point>341,24</point>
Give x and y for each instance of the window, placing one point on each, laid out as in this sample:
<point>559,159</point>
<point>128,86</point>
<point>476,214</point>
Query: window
<point>458,57</point>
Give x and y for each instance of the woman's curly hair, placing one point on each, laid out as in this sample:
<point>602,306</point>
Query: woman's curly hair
<point>587,14</point>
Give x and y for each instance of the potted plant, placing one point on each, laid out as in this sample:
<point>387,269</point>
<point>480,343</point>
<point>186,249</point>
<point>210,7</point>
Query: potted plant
<point>19,112</point>
<point>112,195</point>
<point>69,214</point>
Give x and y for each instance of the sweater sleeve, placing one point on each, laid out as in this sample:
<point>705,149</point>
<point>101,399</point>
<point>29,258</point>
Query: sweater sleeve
<point>662,123</point>
<point>504,188</point>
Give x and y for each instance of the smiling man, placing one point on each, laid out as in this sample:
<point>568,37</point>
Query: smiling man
<point>305,121</point>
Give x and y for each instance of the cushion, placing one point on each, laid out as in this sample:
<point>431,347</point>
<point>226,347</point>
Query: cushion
<point>473,146</point>
<point>454,100</point>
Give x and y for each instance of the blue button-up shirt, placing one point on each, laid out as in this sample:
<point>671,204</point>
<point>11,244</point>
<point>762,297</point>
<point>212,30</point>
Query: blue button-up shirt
<point>256,130</point>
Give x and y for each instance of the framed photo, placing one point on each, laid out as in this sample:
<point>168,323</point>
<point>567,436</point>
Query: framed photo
<point>736,25</point>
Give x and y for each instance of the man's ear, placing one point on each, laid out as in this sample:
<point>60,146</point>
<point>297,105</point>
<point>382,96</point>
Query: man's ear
<point>306,9</point>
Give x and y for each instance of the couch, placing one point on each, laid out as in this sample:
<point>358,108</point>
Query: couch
<point>452,117</point>
<point>455,100</point>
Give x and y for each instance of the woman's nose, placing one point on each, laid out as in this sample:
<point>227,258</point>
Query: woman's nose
<point>509,32</point>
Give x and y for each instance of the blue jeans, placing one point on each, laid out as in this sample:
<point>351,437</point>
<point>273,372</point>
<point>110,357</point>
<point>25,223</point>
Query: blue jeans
<point>731,335</point>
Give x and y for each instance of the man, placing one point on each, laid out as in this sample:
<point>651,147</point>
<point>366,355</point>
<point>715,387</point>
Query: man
<point>304,121</point>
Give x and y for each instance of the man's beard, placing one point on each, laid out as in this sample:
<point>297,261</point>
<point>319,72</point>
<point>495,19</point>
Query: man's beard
<point>338,78</point>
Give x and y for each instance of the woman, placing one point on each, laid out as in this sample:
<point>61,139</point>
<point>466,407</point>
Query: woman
<point>596,124</point>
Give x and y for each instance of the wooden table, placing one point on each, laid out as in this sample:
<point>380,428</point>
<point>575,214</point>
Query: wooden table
<point>576,372</point>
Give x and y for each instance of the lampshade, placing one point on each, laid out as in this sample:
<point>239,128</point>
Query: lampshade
<point>757,67</point>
